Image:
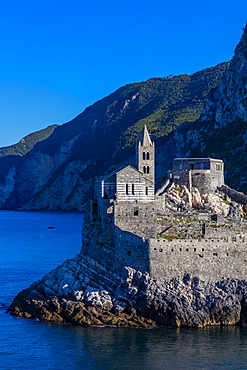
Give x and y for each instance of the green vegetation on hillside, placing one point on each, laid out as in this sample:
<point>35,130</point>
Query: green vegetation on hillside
<point>27,143</point>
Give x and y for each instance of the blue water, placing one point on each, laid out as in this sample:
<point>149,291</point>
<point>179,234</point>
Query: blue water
<point>28,250</point>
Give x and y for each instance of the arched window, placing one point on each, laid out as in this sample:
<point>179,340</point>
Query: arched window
<point>146,190</point>
<point>127,189</point>
<point>144,169</point>
<point>133,189</point>
<point>147,169</point>
<point>143,155</point>
<point>147,155</point>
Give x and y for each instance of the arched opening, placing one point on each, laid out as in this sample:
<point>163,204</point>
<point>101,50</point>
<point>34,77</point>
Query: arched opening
<point>143,155</point>
<point>133,189</point>
<point>147,155</point>
<point>127,189</point>
<point>144,169</point>
<point>146,190</point>
<point>147,169</point>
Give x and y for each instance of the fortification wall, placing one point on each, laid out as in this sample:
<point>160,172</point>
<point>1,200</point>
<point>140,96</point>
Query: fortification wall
<point>208,259</point>
<point>132,250</point>
<point>234,194</point>
<point>137,218</point>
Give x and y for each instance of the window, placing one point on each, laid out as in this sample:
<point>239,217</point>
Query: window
<point>147,169</point>
<point>145,155</point>
<point>144,169</point>
<point>133,189</point>
<point>146,190</point>
<point>136,211</point>
<point>127,189</point>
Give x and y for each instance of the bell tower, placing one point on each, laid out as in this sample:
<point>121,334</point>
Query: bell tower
<point>146,150</point>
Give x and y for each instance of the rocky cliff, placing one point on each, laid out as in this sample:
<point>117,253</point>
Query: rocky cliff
<point>98,288</point>
<point>221,129</point>
<point>82,292</point>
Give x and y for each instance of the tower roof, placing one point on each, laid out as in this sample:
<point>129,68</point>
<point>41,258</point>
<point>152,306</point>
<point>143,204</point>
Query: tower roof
<point>144,139</point>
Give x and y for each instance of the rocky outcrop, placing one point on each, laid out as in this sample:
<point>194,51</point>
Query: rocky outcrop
<point>225,201</point>
<point>83,292</point>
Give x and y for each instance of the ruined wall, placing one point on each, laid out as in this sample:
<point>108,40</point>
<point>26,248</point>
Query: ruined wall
<point>210,260</point>
<point>235,195</point>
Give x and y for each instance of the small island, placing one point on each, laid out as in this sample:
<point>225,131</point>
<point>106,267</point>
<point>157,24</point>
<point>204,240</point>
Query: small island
<point>174,257</point>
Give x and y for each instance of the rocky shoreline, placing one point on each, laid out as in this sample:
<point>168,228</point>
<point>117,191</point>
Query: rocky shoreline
<point>82,292</point>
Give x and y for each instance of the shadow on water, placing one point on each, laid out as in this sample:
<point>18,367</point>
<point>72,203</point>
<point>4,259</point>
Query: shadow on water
<point>122,348</point>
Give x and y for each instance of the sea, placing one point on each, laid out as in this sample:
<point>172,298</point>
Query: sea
<point>34,243</point>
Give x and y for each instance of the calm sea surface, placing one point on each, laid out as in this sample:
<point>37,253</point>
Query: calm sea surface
<point>28,250</point>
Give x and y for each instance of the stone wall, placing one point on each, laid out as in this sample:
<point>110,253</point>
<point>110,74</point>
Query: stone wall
<point>131,250</point>
<point>137,218</point>
<point>205,174</point>
<point>210,260</point>
<point>204,180</point>
<point>234,194</point>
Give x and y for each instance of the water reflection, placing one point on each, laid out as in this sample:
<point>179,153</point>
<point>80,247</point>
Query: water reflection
<point>119,348</point>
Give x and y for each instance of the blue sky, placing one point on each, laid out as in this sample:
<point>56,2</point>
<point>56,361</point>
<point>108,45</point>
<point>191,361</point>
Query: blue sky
<point>58,57</point>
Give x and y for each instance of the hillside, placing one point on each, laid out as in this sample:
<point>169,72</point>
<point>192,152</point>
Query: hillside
<point>27,143</point>
<point>58,172</point>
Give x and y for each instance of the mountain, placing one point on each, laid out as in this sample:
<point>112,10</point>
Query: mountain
<point>221,130</point>
<point>58,172</point>
<point>10,155</point>
<point>27,142</point>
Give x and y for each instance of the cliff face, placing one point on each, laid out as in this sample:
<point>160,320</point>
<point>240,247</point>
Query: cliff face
<point>221,130</point>
<point>228,102</point>
<point>82,292</point>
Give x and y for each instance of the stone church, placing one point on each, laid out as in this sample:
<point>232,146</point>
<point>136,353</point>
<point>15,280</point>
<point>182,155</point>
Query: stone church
<point>128,224</point>
<point>133,185</point>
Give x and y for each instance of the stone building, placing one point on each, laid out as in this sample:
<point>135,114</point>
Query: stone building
<point>205,174</point>
<point>128,230</point>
